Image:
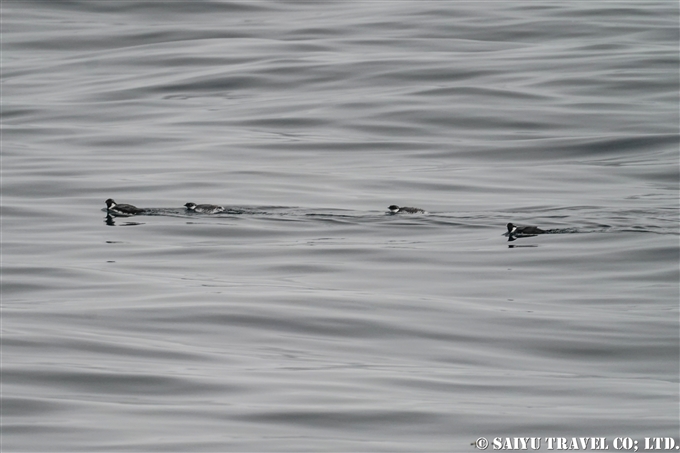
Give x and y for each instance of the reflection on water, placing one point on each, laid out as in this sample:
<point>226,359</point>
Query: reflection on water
<point>109,220</point>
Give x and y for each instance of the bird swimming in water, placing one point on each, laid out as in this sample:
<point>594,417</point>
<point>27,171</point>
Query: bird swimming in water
<point>394,209</point>
<point>515,230</point>
<point>204,208</point>
<point>121,210</point>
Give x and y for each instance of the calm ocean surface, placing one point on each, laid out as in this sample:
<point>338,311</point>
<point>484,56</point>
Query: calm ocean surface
<point>306,318</point>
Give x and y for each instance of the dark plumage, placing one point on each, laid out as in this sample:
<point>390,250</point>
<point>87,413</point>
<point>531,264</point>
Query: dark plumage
<point>394,209</point>
<point>523,230</point>
<point>121,210</point>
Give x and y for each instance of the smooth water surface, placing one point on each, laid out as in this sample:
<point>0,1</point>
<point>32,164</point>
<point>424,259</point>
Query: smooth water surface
<point>306,318</point>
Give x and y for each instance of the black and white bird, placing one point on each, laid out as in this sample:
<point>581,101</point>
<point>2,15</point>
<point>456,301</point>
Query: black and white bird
<point>394,209</point>
<point>515,230</point>
<point>204,208</point>
<point>121,210</point>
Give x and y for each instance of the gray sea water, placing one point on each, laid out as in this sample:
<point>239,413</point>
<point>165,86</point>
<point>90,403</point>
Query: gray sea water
<point>305,318</point>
